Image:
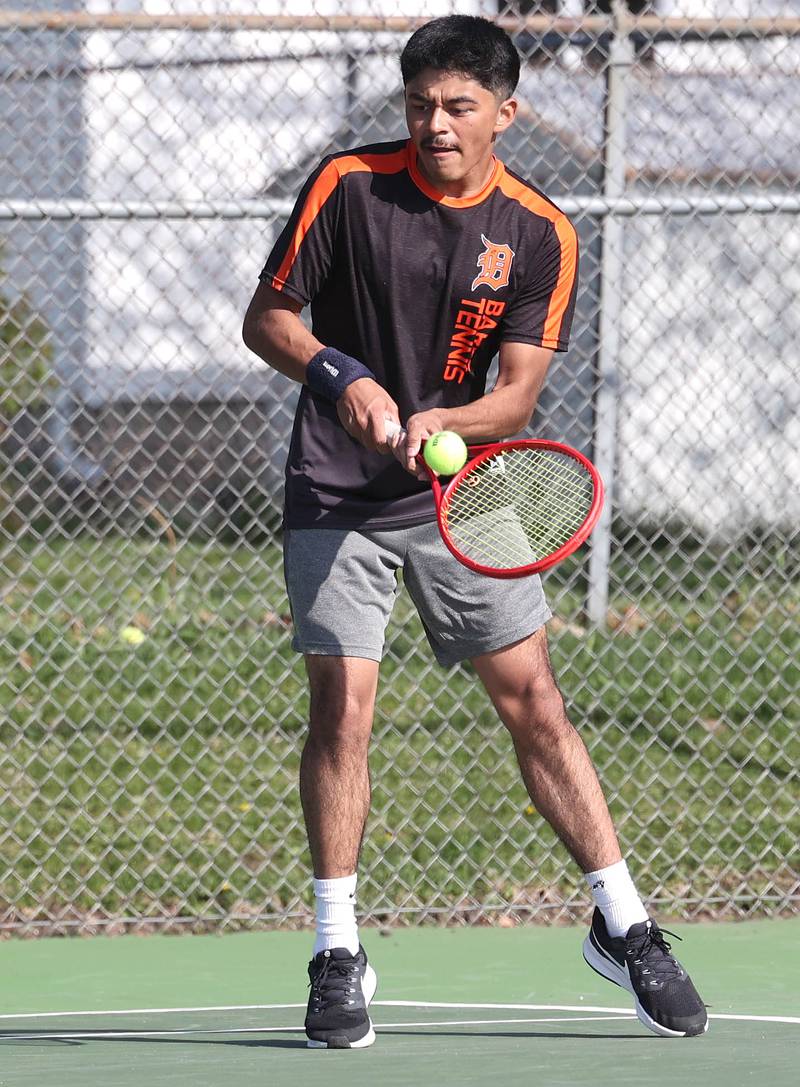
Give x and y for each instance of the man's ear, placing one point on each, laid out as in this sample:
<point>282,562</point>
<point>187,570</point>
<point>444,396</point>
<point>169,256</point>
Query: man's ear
<point>506,112</point>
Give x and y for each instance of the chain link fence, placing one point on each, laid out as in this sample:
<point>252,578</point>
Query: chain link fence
<point>151,709</point>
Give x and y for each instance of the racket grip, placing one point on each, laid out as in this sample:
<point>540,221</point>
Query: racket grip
<point>393,429</point>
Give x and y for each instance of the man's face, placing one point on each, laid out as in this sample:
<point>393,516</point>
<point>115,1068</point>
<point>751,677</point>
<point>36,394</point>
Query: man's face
<point>453,122</point>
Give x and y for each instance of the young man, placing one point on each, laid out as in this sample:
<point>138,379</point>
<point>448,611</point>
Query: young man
<point>421,260</point>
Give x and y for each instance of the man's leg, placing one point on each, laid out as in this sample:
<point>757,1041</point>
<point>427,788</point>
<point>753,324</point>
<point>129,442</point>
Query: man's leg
<point>341,587</point>
<point>500,627</point>
<point>555,765</point>
<point>564,788</point>
<point>335,794</point>
<point>334,772</point>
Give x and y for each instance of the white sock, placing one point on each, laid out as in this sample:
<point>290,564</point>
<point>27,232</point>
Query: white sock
<point>616,897</point>
<point>336,914</point>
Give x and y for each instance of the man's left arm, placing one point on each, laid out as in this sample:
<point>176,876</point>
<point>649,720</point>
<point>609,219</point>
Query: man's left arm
<point>535,324</point>
<point>501,413</point>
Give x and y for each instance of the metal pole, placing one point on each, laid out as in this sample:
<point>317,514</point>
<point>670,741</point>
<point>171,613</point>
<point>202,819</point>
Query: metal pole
<point>611,284</point>
<point>662,28</point>
<point>757,203</point>
<point>351,80</point>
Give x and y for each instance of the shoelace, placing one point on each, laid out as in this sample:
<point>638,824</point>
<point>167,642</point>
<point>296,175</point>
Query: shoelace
<point>333,985</point>
<point>662,964</point>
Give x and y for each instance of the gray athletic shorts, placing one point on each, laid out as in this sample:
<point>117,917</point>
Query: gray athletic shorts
<point>342,585</point>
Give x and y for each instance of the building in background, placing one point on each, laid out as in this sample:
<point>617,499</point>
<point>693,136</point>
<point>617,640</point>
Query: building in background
<point>160,397</point>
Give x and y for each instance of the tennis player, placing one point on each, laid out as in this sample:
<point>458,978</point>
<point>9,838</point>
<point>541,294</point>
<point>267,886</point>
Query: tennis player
<point>421,260</point>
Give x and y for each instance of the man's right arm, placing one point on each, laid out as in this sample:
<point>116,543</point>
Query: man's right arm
<point>274,331</point>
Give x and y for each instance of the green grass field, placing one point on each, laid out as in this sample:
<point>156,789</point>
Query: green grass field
<point>161,778</point>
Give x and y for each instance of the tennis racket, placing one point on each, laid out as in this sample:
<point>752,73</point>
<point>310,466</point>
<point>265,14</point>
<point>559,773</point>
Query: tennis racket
<point>516,508</point>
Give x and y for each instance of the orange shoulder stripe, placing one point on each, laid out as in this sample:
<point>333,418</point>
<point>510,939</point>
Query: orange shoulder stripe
<point>565,232</point>
<point>321,191</point>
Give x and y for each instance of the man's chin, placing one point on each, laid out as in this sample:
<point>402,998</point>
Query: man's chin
<point>442,167</point>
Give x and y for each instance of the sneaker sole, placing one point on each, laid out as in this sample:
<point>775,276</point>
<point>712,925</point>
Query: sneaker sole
<point>607,967</point>
<point>369,983</point>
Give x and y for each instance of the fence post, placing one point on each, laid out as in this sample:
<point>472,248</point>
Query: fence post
<point>612,270</point>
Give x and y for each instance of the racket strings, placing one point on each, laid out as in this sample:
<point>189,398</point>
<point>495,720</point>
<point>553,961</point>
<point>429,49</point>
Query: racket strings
<point>519,507</point>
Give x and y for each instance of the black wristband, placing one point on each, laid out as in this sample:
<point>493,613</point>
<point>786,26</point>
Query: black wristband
<point>331,371</point>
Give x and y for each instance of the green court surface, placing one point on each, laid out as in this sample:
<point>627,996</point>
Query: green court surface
<point>454,1007</point>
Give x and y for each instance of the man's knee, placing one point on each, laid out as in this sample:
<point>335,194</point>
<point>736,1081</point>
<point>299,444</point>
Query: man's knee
<point>536,707</point>
<point>342,699</point>
<point>522,685</point>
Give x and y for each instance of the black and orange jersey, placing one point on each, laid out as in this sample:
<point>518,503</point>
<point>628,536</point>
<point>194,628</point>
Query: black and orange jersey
<point>422,288</point>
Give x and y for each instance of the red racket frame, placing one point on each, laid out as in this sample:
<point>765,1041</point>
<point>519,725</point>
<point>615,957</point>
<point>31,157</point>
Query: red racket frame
<point>478,454</point>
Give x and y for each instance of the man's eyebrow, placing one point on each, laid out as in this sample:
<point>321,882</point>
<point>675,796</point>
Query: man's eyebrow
<point>458,100</point>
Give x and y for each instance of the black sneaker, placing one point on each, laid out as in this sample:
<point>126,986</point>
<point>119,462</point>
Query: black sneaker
<point>342,985</point>
<point>666,1000</point>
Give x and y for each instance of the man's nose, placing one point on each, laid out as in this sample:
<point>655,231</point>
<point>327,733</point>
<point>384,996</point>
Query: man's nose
<point>438,120</point>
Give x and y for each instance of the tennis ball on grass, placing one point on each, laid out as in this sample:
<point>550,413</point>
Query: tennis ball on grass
<point>445,453</point>
<point>132,636</point>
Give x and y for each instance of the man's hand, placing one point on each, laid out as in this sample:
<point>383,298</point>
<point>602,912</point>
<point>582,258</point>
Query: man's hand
<point>363,409</point>
<point>418,428</point>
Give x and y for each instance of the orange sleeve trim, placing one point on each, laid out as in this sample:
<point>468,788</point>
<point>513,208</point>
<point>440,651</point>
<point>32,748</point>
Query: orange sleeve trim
<point>566,279</point>
<point>568,239</point>
<point>315,201</point>
<point>323,188</point>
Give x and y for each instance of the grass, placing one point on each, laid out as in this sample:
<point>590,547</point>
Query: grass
<point>161,779</point>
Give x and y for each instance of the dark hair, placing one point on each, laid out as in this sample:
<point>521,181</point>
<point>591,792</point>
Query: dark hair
<point>467,44</point>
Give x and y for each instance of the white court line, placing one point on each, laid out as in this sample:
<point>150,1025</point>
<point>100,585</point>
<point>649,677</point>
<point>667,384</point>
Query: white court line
<point>501,1022</point>
<point>607,1012</point>
<point>77,1034</point>
<point>154,1011</point>
<point>501,1007</point>
<point>792,1019</point>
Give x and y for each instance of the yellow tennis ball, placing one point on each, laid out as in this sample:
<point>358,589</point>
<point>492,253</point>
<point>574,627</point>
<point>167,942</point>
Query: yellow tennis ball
<point>445,453</point>
<point>132,635</point>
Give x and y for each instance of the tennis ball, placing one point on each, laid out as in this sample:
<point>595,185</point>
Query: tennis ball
<point>445,453</point>
<point>132,635</point>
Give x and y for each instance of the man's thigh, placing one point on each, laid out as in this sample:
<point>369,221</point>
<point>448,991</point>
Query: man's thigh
<point>467,614</point>
<point>341,585</point>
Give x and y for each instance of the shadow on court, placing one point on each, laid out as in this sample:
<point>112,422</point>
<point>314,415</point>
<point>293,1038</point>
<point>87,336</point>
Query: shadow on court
<point>34,1038</point>
<point>78,1038</point>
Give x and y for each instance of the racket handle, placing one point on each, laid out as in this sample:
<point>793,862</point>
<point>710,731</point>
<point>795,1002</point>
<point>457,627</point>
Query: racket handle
<point>393,429</point>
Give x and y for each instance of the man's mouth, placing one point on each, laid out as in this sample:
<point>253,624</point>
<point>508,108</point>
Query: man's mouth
<point>439,149</point>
